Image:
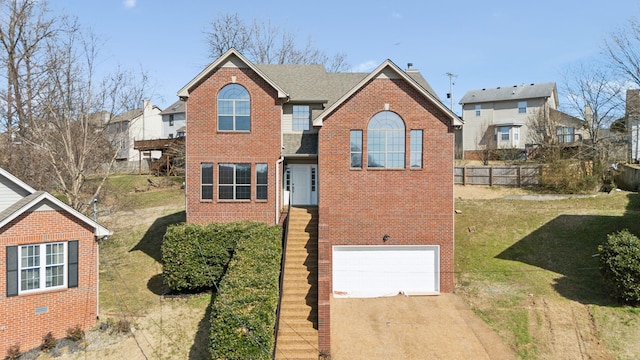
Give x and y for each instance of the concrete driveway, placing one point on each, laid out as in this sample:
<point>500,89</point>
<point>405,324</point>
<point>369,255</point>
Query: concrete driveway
<point>414,327</point>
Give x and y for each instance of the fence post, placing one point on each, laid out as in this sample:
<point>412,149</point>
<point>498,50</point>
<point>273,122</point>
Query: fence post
<point>464,175</point>
<point>490,175</point>
<point>519,176</point>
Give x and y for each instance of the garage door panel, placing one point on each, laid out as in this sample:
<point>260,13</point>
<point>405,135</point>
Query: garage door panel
<point>371,271</point>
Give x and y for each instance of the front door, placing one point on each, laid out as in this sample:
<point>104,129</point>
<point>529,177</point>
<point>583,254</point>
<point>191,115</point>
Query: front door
<point>301,184</point>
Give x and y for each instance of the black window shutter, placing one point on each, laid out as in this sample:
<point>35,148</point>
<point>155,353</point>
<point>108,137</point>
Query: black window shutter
<point>12,271</point>
<point>72,266</point>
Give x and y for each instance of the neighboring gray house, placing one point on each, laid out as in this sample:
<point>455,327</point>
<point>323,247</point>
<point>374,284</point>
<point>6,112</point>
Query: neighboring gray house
<point>633,124</point>
<point>174,120</point>
<point>498,117</point>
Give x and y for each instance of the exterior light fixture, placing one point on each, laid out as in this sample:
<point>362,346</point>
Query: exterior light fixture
<point>385,237</point>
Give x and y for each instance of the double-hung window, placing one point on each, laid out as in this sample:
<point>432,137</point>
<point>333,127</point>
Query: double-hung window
<point>301,117</point>
<point>262,181</point>
<point>385,141</point>
<point>234,108</point>
<point>234,181</point>
<point>206,182</point>
<point>522,107</point>
<point>42,266</point>
<point>478,108</point>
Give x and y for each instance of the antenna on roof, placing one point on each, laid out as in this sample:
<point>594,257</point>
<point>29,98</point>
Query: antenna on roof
<point>451,83</point>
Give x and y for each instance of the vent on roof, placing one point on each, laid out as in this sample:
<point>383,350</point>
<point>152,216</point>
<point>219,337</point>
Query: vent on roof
<point>531,84</point>
<point>515,85</point>
<point>484,89</point>
<point>498,87</point>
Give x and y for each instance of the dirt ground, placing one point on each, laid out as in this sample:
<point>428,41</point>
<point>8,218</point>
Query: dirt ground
<point>169,329</point>
<point>411,327</point>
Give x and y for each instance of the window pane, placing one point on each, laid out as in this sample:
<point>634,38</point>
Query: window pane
<point>243,192</point>
<point>225,107</point>
<point>207,173</point>
<point>225,173</point>
<point>242,107</point>
<point>243,123</point>
<point>356,160</point>
<point>225,123</point>
<point>301,117</point>
<point>375,160</point>
<point>243,173</point>
<point>261,192</point>
<point>54,276</point>
<point>30,256</point>
<point>225,192</point>
<point>30,279</point>
<point>55,254</point>
<point>207,192</point>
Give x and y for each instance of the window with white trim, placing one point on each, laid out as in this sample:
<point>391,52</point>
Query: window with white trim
<point>301,117</point>
<point>42,266</point>
<point>385,141</point>
<point>234,181</point>
<point>478,109</point>
<point>522,107</point>
<point>234,108</point>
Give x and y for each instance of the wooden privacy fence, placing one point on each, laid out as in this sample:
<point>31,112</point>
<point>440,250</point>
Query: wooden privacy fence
<point>497,175</point>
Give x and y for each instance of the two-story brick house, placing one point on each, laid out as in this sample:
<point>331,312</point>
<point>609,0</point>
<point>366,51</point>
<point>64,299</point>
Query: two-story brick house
<point>372,151</point>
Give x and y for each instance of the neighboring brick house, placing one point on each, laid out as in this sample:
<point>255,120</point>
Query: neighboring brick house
<point>49,266</point>
<point>373,151</point>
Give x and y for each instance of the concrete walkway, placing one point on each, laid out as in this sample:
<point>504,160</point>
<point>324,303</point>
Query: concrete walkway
<point>416,327</point>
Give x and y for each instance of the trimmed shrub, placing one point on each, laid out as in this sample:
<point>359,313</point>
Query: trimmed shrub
<point>243,314</point>
<point>620,265</point>
<point>195,254</point>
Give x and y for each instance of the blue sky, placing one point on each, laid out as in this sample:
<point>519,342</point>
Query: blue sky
<point>485,43</point>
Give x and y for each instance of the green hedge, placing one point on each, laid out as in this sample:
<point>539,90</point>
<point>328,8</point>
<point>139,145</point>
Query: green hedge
<point>243,313</point>
<point>620,265</point>
<point>194,254</point>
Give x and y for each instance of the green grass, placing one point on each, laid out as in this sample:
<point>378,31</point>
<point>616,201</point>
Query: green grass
<point>509,250</point>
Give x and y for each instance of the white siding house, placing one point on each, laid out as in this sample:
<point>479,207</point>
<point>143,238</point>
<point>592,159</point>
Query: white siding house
<point>174,120</point>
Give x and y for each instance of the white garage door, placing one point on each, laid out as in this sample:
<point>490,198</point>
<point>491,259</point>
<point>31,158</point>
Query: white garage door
<point>372,271</point>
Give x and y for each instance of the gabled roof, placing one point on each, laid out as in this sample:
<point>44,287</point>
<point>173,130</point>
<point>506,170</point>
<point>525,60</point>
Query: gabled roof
<point>175,108</point>
<point>16,181</point>
<point>234,56</point>
<point>388,68</point>
<point>516,92</point>
<point>562,117</point>
<point>304,83</point>
<point>36,198</point>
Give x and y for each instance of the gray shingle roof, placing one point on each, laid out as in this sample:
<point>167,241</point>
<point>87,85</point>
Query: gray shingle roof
<point>313,83</point>
<point>19,205</point>
<point>176,107</point>
<point>516,92</point>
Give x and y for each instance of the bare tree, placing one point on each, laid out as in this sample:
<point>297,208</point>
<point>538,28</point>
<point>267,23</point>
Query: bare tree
<point>623,51</point>
<point>595,96</point>
<point>67,107</point>
<point>265,43</point>
<point>486,143</point>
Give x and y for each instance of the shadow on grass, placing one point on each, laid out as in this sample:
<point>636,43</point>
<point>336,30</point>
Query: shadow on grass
<point>568,245</point>
<point>200,348</point>
<point>151,242</point>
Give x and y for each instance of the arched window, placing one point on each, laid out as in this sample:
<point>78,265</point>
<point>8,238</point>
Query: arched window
<point>385,141</point>
<point>234,108</point>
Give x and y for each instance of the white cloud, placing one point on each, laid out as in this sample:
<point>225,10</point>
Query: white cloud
<point>129,3</point>
<point>366,66</point>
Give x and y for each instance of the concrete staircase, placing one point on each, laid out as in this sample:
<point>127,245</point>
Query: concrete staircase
<point>298,328</point>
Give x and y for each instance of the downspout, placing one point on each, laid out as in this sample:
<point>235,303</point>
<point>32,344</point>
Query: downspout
<point>278,162</point>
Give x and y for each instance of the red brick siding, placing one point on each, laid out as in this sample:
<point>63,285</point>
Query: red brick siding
<point>67,307</point>
<point>206,144</point>
<point>358,207</point>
